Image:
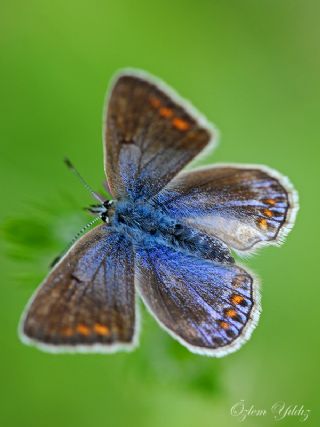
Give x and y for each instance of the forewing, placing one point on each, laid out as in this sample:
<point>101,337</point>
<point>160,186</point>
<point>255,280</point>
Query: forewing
<point>244,206</point>
<point>150,136</point>
<point>210,308</point>
<point>87,303</point>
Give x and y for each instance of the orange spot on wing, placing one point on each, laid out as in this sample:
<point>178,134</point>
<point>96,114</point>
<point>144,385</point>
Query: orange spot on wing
<point>180,124</point>
<point>101,329</point>
<point>165,112</point>
<point>263,224</point>
<point>237,299</point>
<point>155,102</point>
<point>223,324</point>
<point>83,329</point>
<point>268,212</point>
<point>271,202</point>
<point>231,312</point>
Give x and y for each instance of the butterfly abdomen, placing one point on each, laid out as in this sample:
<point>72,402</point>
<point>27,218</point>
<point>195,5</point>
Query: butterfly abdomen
<point>205,246</point>
<point>147,224</point>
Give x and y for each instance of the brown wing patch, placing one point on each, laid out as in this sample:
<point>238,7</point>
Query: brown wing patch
<point>89,296</point>
<point>166,137</point>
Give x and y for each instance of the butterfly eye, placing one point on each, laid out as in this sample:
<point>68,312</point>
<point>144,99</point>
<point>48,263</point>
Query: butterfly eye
<point>101,210</point>
<point>108,203</point>
<point>105,212</point>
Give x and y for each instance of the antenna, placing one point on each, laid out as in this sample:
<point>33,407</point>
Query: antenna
<point>84,183</point>
<point>76,237</point>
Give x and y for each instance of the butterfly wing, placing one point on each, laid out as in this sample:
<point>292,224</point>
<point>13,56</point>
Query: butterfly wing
<point>244,206</point>
<point>150,135</point>
<point>211,308</point>
<point>87,303</point>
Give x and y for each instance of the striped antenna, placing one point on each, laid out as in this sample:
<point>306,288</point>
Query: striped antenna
<point>70,166</point>
<point>76,237</point>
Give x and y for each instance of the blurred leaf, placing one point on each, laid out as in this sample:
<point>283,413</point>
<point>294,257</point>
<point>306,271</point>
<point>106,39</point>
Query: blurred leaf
<point>27,232</point>
<point>162,360</point>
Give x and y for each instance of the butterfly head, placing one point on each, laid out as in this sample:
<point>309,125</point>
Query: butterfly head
<point>103,210</point>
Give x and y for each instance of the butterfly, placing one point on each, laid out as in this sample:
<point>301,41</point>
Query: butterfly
<point>166,237</point>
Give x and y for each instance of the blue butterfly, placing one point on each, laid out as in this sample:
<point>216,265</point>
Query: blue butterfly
<point>166,236</point>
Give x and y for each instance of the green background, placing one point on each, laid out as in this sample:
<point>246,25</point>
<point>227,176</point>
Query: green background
<point>253,68</point>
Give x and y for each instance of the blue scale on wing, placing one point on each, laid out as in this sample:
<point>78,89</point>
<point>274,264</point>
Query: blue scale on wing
<point>203,303</point>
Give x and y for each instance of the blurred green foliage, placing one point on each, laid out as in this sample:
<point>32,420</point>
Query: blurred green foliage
<point>253,68</point>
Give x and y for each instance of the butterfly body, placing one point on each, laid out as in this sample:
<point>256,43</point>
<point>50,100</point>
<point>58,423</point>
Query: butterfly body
<point>166,236</point>
<point>145,223</point>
